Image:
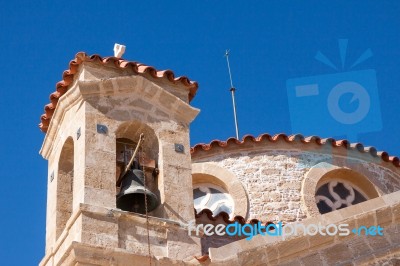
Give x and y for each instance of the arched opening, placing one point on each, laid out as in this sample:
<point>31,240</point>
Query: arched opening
<point>145,165</point>
<point>65,179</point>
<point>219,190</point>
<point>341,188</point>
<point>328,187</point>
<point>214,198</point>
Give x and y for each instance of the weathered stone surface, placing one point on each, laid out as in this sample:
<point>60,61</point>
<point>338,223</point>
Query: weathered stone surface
<point>267,182</point>
<point>273,176</point>
<point>313,259</point>
<point>337,254</point>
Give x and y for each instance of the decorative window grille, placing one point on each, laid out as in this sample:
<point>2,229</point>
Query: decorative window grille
<point>207,196</point>
<point>336,195</point>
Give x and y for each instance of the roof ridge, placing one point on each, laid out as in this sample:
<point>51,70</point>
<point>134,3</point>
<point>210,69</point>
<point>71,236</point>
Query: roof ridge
<point>298,138</point>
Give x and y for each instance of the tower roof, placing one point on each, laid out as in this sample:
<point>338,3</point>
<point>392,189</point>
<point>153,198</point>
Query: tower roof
<point>138,68</point>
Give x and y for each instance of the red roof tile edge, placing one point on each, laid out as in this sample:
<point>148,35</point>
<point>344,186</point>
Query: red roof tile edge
<point>297,138</point>
<point>225,218</point>
<point>202,258</point>
<point>68,77</point>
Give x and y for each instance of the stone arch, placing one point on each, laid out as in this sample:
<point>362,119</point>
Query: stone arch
<point>65,180</point>
<point>218,176</point>
<point>132,130</point>
<point>322,173</point>
<point>128,134</point>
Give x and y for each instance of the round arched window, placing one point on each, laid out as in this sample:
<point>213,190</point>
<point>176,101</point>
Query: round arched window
<point>335,195</point>
<point>327,187</point>
<point>207,196</point>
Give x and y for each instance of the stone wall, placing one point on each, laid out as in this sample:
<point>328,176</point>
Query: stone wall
<point>273,178</point>
<point>352,249</point>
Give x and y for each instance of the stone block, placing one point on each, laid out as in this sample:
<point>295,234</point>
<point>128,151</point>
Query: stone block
<point>98,224</point>
<point>378,242</point>
<point>352,224</point>
<point>337,254</point>
<point>139,103</point>
<point>130,84</point>
<point>392,198</point>
<point>161,114</point>
<point>272,254</point>
<point>225,252</point>
<point>393,232</point>
<point>294,262</point>
<point>100,178</point>
<point>396,213</point>
<point>332,217</point>
<point>384,216</point>
<point>252,258</point>
<point>372,204</point>
<point>100,197</point>
<point>312,259</point>
<point>180,245</point>
<point>350,211</point>
<point>99,240</point>
<point>366,219</point>
<point>319,240</point>
<point>167,100</point>
<point>106,86</point>
<point>359,246</point>
<point>292,246</point>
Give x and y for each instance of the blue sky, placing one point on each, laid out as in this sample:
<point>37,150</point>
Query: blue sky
<point>270,43</point>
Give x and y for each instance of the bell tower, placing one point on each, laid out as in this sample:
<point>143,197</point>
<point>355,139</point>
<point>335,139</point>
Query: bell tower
<point>93,127</point>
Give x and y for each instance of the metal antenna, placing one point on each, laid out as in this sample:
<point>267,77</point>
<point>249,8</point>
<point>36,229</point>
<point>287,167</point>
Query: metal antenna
<point>232,89</point>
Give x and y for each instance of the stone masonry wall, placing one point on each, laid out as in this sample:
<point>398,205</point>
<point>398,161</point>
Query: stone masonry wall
<point>123,106</point>
<point>273,179</point>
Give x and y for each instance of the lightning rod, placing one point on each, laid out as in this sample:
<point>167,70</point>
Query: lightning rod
<point>232,89</point>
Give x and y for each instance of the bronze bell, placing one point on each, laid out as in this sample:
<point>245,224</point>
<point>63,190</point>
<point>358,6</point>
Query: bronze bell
<point>131,197</point>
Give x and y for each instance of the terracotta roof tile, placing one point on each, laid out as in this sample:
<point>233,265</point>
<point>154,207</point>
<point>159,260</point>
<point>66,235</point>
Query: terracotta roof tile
<point>68,77</point>
<point>202,258</point>
<point>225,217</point>
<point>297,138</point>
